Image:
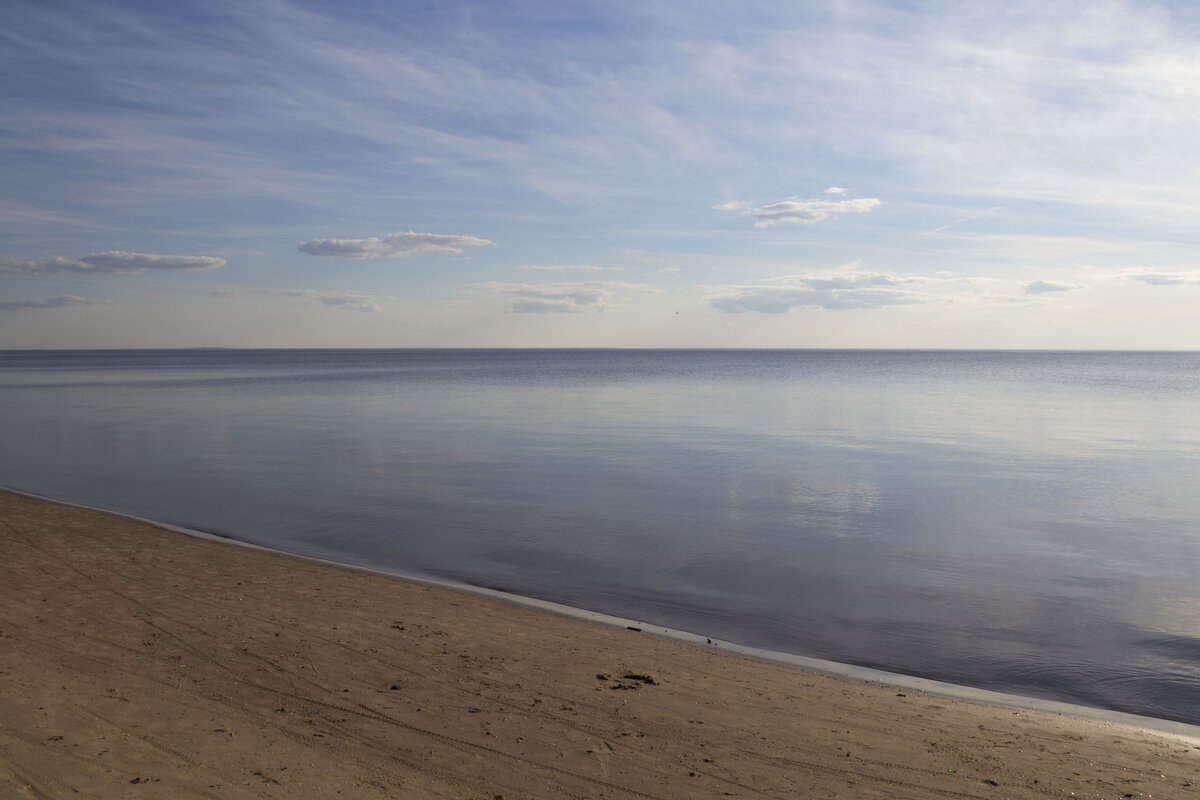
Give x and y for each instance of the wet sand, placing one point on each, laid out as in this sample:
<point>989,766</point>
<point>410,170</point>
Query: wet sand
<point>140,662</point>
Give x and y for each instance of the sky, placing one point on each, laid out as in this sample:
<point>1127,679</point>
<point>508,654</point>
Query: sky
<point>851,173</point>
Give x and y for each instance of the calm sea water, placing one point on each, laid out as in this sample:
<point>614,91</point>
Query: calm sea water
<point>1028,522</point>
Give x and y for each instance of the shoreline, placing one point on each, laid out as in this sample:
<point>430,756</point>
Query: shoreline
<point>133,658</point>
<point>1170,727</point>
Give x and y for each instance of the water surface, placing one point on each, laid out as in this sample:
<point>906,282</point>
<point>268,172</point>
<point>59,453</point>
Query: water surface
<point>1026,522</point>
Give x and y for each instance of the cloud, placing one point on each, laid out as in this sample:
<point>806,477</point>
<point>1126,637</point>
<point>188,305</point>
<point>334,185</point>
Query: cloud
<point>111,262</point>
<point>351,302</point>
<point>265,293</point>
<point>968,218</point>
<point>1165,279</point>
<point>1033,247</point>
<point>62,301</point>
<point>394,245</point>
<point>117,262</point>
<point>837,292</point>
<point>841,281</point>
<point>1044,287</point>
<point>804,212</point>
<point>347,301</point>
<point>1040,93</point>
<point>807,212</point>
<point>558,298</point>
<point>779,300</point>
<point>568,267</point>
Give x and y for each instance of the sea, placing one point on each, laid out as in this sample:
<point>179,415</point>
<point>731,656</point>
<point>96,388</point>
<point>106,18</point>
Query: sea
<point>1027,522</point>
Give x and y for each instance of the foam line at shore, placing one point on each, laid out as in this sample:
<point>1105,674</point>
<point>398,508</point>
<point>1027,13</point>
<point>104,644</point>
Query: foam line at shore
<point>1182,730</point>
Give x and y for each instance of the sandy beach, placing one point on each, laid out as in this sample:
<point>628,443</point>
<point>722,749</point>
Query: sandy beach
<point>140,662</point>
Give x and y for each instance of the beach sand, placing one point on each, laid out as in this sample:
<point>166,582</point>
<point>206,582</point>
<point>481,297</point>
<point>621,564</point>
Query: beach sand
<point>139,662</point>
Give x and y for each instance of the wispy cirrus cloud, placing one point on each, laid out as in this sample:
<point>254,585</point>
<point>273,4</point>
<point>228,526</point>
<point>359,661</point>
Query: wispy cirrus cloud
<point>1165,278</point>
<point>833,291</point>
<point>558,298</point>
<point>394,245</point>
<point>1012,94</point>
<point>271,114</point>
<point>968,218</point>
<point>111,262</point>
<point>62,301</point>
<point>348,301</point>
<point>1035,247</point>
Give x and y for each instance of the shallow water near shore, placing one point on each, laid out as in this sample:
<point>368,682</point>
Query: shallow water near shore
<point>1025,522</point>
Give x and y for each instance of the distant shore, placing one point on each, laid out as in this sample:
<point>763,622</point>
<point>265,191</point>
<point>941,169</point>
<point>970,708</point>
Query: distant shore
<point>139,662</point>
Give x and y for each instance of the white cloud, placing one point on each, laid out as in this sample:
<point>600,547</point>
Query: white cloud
<point>111,262</point>
<point>349,301</point>
<point>733,205</point>
<point>115,261</point>
<point>810,211</point>
<point>547,298</point>
<point>568,268</point>
<point>1165,278</point>
<point>1045,287</point>
<point>833,291</point>
<point>836,190</point>
<point>265,293</point>
<point>394,245</point>
<point>62,301</point>
<point>840,281</point>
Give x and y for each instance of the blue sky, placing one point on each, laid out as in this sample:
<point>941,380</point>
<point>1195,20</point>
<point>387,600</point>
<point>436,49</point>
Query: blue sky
<point>641,174</point>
